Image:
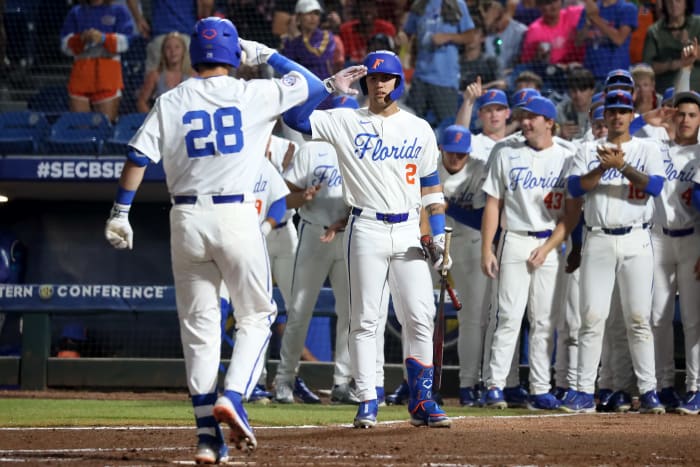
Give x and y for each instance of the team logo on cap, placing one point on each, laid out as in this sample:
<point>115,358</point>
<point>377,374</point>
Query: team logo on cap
<point>458,137</point>
<point>209,34</point>
<point>491,94</point>
<point>377,62</point>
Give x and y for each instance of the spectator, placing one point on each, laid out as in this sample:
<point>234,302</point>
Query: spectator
<point>168,16</point>
<point>95,33</point>
<point>645,96</point>
<point>173,69</point>
<point>572,113</point>
<point>474,62</point>
<point>253,19</point>
<point>505,35</point>
<point>550,38</point>
<point>528,79</point>
<point>356,33</point>
<point>665,40</point>
<point>646,16</point>
<point>438,27</point>
<point>524,11</point>
<point>605,29</point>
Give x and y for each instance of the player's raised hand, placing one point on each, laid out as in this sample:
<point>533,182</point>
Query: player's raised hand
<point>474,90</point>
<point>659,116</point>
<point>118,231</point>
<point>255,53</point>
<point>343,80</point>
<point>690,53</point>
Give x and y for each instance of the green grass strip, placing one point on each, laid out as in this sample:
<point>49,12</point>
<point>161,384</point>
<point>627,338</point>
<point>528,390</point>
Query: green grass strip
<point>84,412</point>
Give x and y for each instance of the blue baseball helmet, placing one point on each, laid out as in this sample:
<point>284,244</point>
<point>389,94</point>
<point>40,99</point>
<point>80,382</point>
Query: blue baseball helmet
<point>456,138</point>
<point>384,61</point>
<point>215,40</point>
<point>344,101</point>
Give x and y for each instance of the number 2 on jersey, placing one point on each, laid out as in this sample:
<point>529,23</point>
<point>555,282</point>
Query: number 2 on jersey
<point>687,196</point>
<point>226,122</point>
<point>411,170</point>
<point>553,200</point>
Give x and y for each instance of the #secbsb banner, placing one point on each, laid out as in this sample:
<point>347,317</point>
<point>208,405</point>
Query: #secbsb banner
<point>70,169</point>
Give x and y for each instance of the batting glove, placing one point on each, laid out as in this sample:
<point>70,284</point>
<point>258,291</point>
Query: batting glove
<point>440,259</point>
<point>343,80</point>
<point>118,230</point>
<point>255,53</point>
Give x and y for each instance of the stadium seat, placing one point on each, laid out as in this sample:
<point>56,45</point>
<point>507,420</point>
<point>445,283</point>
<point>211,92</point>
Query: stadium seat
<point>51,100</point>
<point>22,132</point>
<point>79,133</point>
<point>124,129</point>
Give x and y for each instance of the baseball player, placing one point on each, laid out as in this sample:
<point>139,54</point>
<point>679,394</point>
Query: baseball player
<point>676,242</point>
<point>616,178</point>
<point>526,180</point>
<point>211,133</point>
<point>388,160</point>
<point>316,184</point>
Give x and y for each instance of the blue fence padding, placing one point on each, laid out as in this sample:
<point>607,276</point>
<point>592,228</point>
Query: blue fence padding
<point>70,169</point>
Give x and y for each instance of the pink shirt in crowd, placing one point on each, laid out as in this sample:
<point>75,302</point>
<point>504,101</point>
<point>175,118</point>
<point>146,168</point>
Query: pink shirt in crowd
<point>561,38</point>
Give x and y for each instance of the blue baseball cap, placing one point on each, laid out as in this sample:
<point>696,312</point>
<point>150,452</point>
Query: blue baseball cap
<point>686,96</point>
<point>541,106</point>
<point>493,96</point>
<point>619,77</point>
<point>344,101</point>
<point>668,96</point>
<point>521,96</point>
<point>619,99</point>
<point>456,138</point>
<point>598,113</point>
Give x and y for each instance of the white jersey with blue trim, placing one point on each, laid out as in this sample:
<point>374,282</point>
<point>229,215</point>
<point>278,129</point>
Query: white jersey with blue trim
<point>316,163</point>
<point>615,202</point>
<point>269,186</point>
<point>214,131</point>
<point>531,183</point>
<point>482,146</point>
<point>674,208</point>
<point>463,188</point>
<point>381,158</point>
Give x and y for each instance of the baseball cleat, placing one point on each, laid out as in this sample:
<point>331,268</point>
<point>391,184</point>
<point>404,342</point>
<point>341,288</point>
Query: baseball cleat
<point>400,395</point>
<point>580,402</point>
<point>366,414</point>
<point>210,453</point>
<point>516,397</point>
<point>260,395</point>
<point>544,401</point>
<point>428,412</point>
<point>494,399</point>
<point>620,402</point>
<point>284,394</point>
<point>649,403</point>
<point>690,404</point>
<point>468,397</point>
<point>381,398</point>
<point>229,410</point>
<point>344,394</point>
<point>669,398</point>
<point>301,391</point>
<point>604,397</point>
<point>560,392</point>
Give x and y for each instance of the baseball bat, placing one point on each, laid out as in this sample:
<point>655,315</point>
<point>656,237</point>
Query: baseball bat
<point>425,241</point>
<point>439,332</point>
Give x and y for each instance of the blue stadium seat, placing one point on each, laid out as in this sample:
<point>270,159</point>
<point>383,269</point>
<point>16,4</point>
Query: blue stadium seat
<point>124,129</point>
<point>79,133</point>
<point>51,100</point>
<point>22,132</point>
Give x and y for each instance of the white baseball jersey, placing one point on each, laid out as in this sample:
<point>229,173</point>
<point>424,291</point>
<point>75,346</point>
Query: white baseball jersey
<point>674,209</point>
<point>268,188</point>
<point>213,156</point>
<point>696,177</point>
<point>380,166</point>
<point>463,188</point>
<point>316,163</point>
<point>615,202</point>
<point>481,147</point>
<point>531,183</point>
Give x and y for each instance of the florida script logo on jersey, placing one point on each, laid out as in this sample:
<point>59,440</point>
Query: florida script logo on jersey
<point>327,174</point>
<point>612,174</point>
<point>372,144</point>
<point>684,175</point>
<point>523,177</point>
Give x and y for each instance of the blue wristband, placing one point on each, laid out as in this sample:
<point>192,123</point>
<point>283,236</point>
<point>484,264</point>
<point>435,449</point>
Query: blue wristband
<point>125,196</point>
<point>437,224</point>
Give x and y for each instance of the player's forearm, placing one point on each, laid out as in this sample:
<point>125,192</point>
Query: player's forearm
<point>132,176</point>
<point>639,179</point>
<point>591,179</point>
<point>489,225</point>
<point>295,200</point>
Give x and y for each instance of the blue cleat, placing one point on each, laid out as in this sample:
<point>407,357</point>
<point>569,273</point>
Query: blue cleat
<point>650,403</point>
<point>516,397</point>
<point>301,391</point>
<point>544,401</point>
<point>229,410</point>
<point>381,397</point>
<point>428,412</point>
<point>690,404</point>
<point>211,453</point>
<point>400,395</point>
<point>604,396</point>
<point>366,414</point>
<point>494,399</point>
<point>260,395</point>
<point>620,402</point>
<point>468,397</point>
<point>559,392</point>
<point>669,398</point>
<point>580,402</point>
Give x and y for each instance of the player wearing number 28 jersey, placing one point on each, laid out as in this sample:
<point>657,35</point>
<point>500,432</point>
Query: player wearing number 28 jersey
<point>210,132</point>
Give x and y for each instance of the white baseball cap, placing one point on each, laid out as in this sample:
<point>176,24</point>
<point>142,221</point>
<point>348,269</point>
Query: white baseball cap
<point>307,6</point>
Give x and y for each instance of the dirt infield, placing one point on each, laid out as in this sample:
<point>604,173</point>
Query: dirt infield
<point>623,440</point>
